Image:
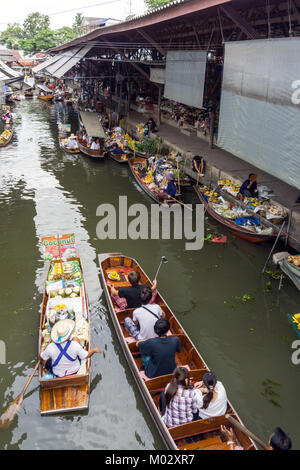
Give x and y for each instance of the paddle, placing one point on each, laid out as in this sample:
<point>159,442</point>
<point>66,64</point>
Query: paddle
<point>179,202</point>
<point>246,431</point>
<point>8,416</point>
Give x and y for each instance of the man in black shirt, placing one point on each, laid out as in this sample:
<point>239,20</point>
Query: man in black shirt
<point>158,354</point>
<point>132,294</point>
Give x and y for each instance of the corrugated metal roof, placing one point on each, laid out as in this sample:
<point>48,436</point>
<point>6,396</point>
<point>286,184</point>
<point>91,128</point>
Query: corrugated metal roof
<point>45,64</point>
<point>71,61</point>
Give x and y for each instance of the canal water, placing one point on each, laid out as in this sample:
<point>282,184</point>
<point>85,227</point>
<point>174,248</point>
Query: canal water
<point>234,316</point>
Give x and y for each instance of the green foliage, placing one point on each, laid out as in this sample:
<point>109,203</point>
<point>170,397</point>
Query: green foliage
<point>34,24</point>
<point>149,145</point>
<point>152,4</point>
<point>36,34</point>
<point>11,36</point>
<point>77,23</point>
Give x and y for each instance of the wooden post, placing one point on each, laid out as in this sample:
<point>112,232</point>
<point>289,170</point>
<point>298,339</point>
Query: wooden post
<point>158,106</point>
<point>212,128</point>
<point>120,98</point>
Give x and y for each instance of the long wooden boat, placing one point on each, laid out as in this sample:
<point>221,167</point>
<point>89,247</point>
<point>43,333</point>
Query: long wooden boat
<point>71,393</point>
<point>132,163</point>
<point>7,139</point>
<point>45,97</point>
<point>62,144</point>
<point>235,229</point>
<point>94,154</point>
<point>28,93</point>
<point>124,158</point>
<point>204,434</point>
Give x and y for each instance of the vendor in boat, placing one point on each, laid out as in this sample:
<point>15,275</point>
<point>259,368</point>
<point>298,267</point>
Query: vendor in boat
<point>151,125</point>
<point>65,355</point>
<point>72,142</point>
<point>131,294</point>
<point>211,396</point>
<point>279,440</point>
<point>158,354</point>
<point>141,325</point>
<point>170,191</point>
<point>249,187</point>
<point>178,402</point>
<point>116,150</point>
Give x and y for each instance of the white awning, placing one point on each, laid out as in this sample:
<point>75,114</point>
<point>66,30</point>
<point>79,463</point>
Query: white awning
<point>92,124</point>
<point>62,59</point>
<point>71,61</point>
<point>43,65</point>
<point>46,89</point>
<point>9,73</point>
<point>29,82</point>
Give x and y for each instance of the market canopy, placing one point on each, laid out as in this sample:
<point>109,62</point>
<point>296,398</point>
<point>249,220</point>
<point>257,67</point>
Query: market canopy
<point>9,75</point>
<point>45,88</point>
<point>29,82</point>
<point>92,124</point>
<point>43,65</point>
<point>68,60</point>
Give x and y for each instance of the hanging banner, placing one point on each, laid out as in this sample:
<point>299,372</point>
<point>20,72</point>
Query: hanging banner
<point>157,75</point>
<point>59,248</point>
<point>260,105</point>
<point>185,76</point>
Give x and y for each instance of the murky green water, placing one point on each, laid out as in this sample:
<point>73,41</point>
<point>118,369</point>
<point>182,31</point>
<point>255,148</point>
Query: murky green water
<point>43,192</point>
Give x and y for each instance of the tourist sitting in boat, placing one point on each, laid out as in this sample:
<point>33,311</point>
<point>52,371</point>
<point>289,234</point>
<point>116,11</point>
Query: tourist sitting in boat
<point>131,294</point>
<point>65,355</point>
<point>158,354</point>
<point>141,325</point>
<point>95,145</point>
<point>279,440</point>
<point>170,191</point>
<point>211,397</point>
<point>178,402</point>
<point>249,187</point>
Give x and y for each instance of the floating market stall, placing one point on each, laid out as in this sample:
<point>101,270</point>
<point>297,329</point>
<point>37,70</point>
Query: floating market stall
<point>117,138</point>
<point>45,94</point>
<point>6,137</point>
<point>90,122</point>
<point>64,298</point>
<point>241,219</point>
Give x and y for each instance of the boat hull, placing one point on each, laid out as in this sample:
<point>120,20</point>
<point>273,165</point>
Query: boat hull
<point>67,150</point>
<point>174,438</point>
<point>232,227</point>
<point>8,140</point>
<point>65,394</point>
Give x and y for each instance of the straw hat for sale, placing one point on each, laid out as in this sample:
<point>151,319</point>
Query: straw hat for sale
<point>62,331</point>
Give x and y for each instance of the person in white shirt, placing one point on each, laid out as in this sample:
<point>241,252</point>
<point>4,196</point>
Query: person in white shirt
<point>211,397</point>
<point>141,326</point>
<point>65,355</point>
<point>95,145</point>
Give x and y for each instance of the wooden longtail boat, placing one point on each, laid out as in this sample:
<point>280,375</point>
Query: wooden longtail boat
<point>237,230</point>
<point>71,393</point>
<point>132,162</point>
<point>204,434</point>
<point>28,93</point>
<point>120,158</point>
<point>45,97</point>
<point>94,154</point>
<point>62,143</point>
<point>7,139</point>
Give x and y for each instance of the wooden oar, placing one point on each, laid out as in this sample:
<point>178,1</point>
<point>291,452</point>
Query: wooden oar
<point>179,202</point>
<point>246,431</point>
<point>8,416</point>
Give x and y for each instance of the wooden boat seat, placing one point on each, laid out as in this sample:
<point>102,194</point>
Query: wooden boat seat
<point>159,383</point>
<point>196,428</point>
<point>201,445</point>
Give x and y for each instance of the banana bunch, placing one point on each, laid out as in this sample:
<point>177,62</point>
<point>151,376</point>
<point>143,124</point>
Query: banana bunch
<point>296,319</point>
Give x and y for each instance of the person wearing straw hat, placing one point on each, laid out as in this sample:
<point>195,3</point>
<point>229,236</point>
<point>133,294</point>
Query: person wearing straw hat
<point>170,191</point>
<point>65,354</point>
